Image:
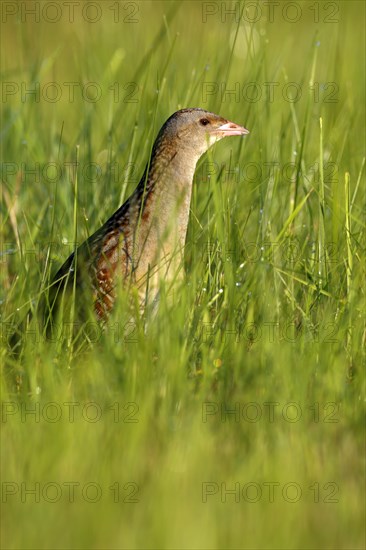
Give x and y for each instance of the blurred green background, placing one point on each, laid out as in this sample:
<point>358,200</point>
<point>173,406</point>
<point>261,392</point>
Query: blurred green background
<point>252,382</point>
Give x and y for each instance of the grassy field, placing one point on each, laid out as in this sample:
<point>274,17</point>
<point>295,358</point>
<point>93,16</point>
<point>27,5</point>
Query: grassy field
<point>237,419</point>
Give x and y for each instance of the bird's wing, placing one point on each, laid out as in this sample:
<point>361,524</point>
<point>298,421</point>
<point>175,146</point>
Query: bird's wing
<point>111,264</point>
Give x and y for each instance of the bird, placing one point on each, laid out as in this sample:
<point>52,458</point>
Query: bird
<point>143,242</point>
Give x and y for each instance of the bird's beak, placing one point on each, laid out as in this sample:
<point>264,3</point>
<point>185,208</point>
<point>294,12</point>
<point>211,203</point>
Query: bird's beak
<point>230,129</point>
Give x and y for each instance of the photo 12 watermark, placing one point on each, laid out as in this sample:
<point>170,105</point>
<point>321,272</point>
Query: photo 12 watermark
<point>269,92</point>
<point>120,332</point>
<point>51,172</point>
<point>253,332</point>
<point>270,412</point>
<point>92,12</point>
<point>52,412</point>
<point>269,491</point>
<point>68,91</point>
<point>270,12</point>
<point>91,492</point>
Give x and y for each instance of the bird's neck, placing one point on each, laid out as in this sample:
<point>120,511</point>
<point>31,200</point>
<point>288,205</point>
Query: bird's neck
<point>163,199</point>
<point>165,190</point>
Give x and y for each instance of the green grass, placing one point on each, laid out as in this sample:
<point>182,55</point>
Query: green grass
<point>269,323</point>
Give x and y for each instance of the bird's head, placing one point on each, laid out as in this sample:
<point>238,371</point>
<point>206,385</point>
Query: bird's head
<point>195,130</point>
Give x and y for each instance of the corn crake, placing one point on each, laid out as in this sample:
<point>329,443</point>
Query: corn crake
<point>143,241</point>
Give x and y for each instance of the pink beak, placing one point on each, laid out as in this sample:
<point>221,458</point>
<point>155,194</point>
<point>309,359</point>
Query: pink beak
<point>230,129</point>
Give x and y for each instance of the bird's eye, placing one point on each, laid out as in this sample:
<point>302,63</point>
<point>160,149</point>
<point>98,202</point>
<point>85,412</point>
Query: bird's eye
<point>204,121</point>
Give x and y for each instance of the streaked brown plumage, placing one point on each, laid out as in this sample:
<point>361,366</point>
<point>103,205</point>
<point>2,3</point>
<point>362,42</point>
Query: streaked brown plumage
<point>143,240</point>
